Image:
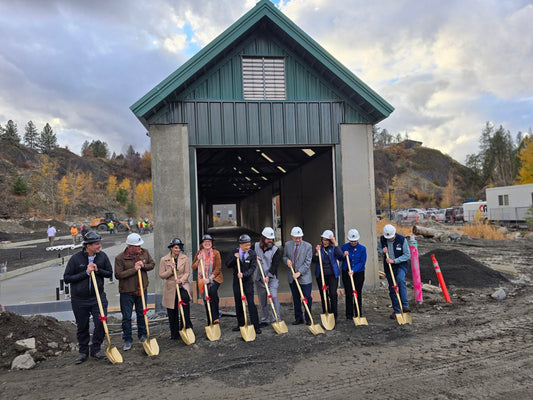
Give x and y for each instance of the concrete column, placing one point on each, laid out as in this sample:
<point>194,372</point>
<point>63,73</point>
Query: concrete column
<point>171,192</point>
<point>357,159</point>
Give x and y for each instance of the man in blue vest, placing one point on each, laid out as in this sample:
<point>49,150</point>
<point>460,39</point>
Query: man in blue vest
<point>269,257</point>
<point>395,251</point>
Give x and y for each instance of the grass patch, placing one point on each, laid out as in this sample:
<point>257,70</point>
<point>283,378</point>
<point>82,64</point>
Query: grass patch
<point>483,231</point>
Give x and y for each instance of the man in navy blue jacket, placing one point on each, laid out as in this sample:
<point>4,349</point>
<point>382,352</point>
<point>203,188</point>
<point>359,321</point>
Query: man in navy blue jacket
<point>356,252</point>
<point>395,251</point>
<point>83,294</point>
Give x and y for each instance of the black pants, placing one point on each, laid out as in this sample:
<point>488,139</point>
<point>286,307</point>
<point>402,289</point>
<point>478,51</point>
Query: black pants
<point>331,293</point>
<point>212,292</point>
<point>174,314</point>
<point>248,287</point>
<point>358,280</point>
<point>83,309</point>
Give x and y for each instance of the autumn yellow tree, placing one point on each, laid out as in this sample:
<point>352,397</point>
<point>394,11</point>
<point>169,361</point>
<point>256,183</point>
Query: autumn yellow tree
<point>126,185</point>
<point>112,186</point>
<point>525,174</point>
<point>43,184</point>
<point>143,193</point>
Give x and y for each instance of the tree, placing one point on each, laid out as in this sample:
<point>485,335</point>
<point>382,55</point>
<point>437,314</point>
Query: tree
<point>10,132</point>
<point>85,149</point>
<point>131,210</point>
<point>96,148</point>
<point>112,186</point>
<point>143,193</point>
<point>381,137</point>
<point>31,136</point>
<point>19,187</point>
<point>525,173</point>
<point>122,196</point>
<point>48,139</point>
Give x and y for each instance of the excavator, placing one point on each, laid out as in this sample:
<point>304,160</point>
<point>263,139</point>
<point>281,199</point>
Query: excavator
<point>100,224</point>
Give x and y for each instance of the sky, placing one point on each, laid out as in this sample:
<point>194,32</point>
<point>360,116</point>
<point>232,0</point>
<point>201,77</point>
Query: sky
<point>447,67</point>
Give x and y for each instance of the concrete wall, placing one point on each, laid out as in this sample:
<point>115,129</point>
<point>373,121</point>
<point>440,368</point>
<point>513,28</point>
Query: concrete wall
<point>307,199</point>
<point>256,210</point>
<point>357,161</point>
<point>171,192</point>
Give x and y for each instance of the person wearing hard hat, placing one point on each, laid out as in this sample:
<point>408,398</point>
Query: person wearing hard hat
<point>331,254</point>
<point>298,254</point>
<point>248,261</point>
<point>213,275</point>
<point>269,256</point>
<point>176,260</point>
<point>83,295</point>
<point>395,251</point>
<point>356,252</point>
<point>127,263</point>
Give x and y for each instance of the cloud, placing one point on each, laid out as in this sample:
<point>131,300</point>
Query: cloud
<point>446,67</point>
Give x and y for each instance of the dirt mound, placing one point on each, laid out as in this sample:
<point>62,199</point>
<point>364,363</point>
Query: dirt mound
<point>459,269</point>
<point>42,225</point>
<point>52,337</point>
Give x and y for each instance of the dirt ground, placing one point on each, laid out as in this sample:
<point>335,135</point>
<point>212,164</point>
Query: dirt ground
<point>475,348</point>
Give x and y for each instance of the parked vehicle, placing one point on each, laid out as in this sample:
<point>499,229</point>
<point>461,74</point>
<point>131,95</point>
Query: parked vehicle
<point>439,215</point>
<point>475,211</point>
<point>454,214</point>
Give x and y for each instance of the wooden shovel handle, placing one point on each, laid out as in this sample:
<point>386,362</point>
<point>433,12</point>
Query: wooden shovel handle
<point>242,292</point>
<point>140,279</point>
<point>179,297</point>
<point>267,290</point>
<point>323,281</point>
<point>100,307</point>
<point>206,293</point>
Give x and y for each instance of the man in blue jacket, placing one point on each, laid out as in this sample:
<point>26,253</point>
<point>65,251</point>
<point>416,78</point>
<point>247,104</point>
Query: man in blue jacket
<point>83,294</point>
<point>395,251</point>
<point>356,252</point>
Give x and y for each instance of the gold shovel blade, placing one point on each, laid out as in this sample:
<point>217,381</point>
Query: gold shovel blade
<point>399,318</point>
<point>187,335</point>
<point>358,321</point>
<point>113,355</point>
<point>407,318</point>
<point>151,347</point>
<point>280,327</point>
<point>213,332</point>
<point>328,321</point>
<point>316,329</point>
<point>248,333</point>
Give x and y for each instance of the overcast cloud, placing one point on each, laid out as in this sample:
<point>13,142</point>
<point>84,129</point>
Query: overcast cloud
<point>446,66</point>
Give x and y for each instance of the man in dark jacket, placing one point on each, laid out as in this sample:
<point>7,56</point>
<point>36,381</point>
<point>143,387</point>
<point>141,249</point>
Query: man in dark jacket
<point>83,294</point>
<point>248,261</point>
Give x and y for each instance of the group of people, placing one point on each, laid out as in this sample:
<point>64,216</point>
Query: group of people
<point>330,259</point>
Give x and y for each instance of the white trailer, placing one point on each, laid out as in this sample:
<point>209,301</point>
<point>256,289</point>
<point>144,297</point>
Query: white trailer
<point>475,211</point>
<point>509,204</point>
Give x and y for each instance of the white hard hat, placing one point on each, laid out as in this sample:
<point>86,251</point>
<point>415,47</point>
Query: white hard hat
<point>353,235</point>
<point>268,232</point>
<point>134,239</point>
<point>389,231</point>
<point>297,232</point>
<point>327,233</point>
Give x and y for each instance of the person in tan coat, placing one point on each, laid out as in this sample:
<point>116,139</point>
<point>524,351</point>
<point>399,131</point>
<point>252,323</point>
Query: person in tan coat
<point>177,260</point>
<point>213,275</point>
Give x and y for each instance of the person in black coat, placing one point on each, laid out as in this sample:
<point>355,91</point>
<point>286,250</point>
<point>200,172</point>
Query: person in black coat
<point>248,261</point>
<point>83,294</point>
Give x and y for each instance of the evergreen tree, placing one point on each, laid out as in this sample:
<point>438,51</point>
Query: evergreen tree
<point>10,132</point>
<point>85,149</point>
<point>31,135</point>
<point>19,187</point>
<point>48,139</point>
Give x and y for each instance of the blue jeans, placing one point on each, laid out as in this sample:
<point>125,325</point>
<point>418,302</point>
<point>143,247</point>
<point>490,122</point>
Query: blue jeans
<point>399,274</point>
<point>127,302</point>
<point>297,301</point>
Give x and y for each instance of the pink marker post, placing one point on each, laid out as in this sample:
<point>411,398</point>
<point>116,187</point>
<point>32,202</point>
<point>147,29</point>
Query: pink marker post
<point>415,269</point>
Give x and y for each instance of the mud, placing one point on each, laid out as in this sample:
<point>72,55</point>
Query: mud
<point>475,347</point>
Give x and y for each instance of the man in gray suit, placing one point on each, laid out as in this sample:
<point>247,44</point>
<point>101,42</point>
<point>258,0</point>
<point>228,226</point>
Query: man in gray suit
<point>298,254</point>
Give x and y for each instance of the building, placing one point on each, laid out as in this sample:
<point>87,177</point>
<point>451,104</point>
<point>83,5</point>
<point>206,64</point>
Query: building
<point>263,115</point>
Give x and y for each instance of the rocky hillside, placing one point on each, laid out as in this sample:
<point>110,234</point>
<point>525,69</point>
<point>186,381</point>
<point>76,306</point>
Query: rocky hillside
<point>420,177</point>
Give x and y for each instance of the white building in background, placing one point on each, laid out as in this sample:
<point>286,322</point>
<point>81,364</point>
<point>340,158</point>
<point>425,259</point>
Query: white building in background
<point>509,204</point>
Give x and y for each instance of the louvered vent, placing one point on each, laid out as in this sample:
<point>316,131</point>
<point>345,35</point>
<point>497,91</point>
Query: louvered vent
<point>263,78</point>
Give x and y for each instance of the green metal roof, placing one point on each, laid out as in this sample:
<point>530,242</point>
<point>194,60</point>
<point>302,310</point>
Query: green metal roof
<point>369,100</point>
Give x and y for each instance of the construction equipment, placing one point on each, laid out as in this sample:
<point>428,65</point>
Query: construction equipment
<point>150,345</point>
<point>212,330</point>
<point>402,318</point>
<point>315,329</point>
<point>111,352</point>
<point>279,326</point>
<point>187,334</point>
<point>247,331</point>
<point>356,320</point>
<point>328,320</point>
<point>100,224</point>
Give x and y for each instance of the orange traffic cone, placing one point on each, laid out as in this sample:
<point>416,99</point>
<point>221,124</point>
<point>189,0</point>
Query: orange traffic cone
<point>441,279</point>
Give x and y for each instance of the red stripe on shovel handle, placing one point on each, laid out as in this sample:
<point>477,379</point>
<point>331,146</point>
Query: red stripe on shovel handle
<point>145,311</point>
<point>207,298</point>
<point>182,303</point>
<point>102,318</point>
<point>395,288</point>
<point>243,298</point>
<point>325,287</point>
<point>355,293</point>
<point>269,296</point>
<point>304,300</point>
